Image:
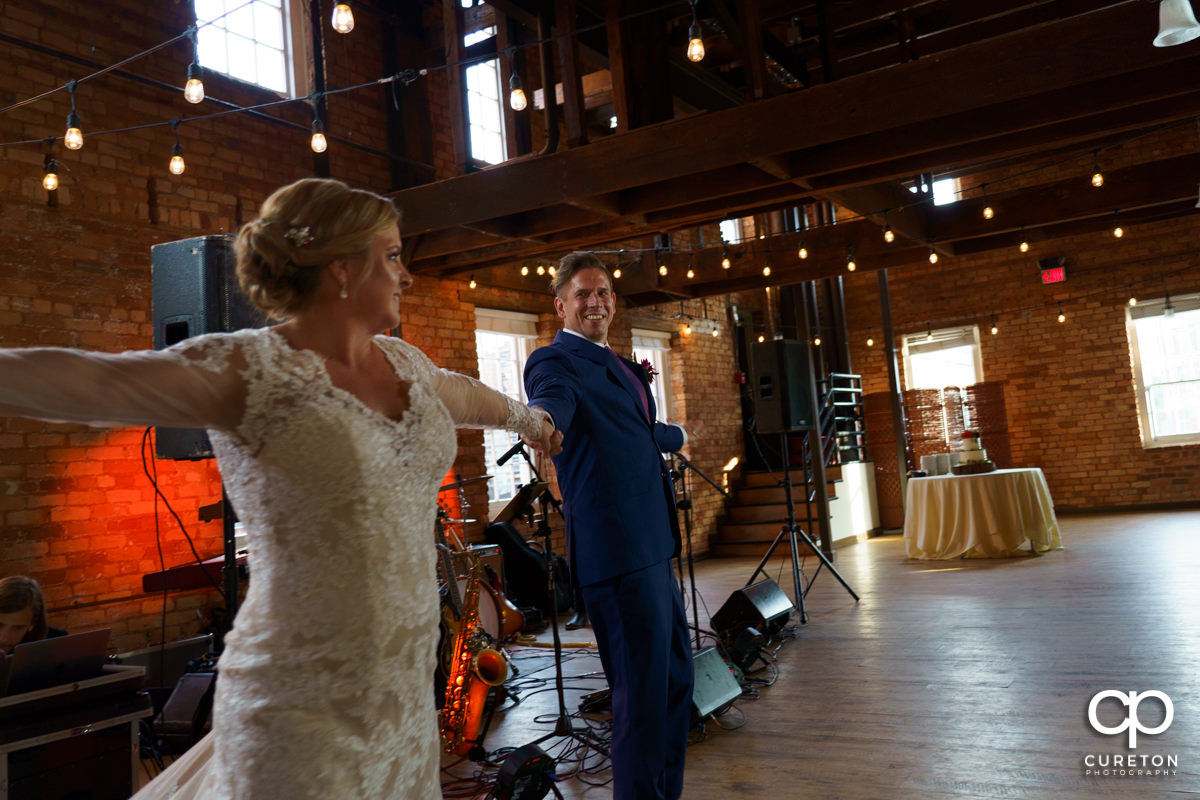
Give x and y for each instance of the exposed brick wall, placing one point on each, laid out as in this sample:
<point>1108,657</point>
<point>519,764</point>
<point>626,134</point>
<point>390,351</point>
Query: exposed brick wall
<point>1069,386</point>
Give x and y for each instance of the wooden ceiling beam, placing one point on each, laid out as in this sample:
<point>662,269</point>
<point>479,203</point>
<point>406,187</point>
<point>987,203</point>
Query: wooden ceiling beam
<point>1057,56</point>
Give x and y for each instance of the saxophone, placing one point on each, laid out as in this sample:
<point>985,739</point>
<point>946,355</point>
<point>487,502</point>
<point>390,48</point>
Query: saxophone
<point>473,666</point>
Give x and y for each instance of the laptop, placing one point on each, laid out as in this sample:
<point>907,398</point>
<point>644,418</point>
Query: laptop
<point>53,662</point>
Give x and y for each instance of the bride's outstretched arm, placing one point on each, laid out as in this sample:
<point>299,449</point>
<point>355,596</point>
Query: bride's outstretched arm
<point>190,386</point>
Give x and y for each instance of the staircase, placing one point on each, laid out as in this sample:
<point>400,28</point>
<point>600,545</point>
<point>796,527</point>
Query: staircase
<point>758,509</point>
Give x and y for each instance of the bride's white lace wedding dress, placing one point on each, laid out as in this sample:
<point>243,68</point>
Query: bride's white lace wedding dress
<point>324,687</point>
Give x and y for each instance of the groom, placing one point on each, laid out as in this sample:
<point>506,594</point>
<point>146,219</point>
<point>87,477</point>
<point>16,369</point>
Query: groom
<point>621,526</point>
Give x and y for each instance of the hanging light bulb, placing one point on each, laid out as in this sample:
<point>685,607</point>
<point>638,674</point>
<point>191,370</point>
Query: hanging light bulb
<point>761,338</point>
<point>74,136</point>
<point>176,166</point>
<point>716,332</point>
<point>541,270</point>
<point>1097,176</point>
<point>524,271</point>
<point>725,258</point>
<point>933,256</point>
<point>870,342</point>
<point>1061,316</point>
<point>766,269</point>
<point>662,269</point>
<point>472,284</point>
<point>1132,301</point>
<point>1118,232</point>
<point>343,18</point>
<point>929,335</point>
<point>888,236</point>
<point>687,329</point>
<point>691,273</point>
<point>50,178</point>
<point>318,143</point>
<point>802,253</point>
<point>995,329</point>
<point>988,212</point>
<point>551,271</point>
<point>1024,246</point>
<point>816,341</point>
<point>695,48</point>
<point>1168,309</point>
<point>193,90</point>
<point>851,264</point>
<point>617,272</point>
<point>516,94</point>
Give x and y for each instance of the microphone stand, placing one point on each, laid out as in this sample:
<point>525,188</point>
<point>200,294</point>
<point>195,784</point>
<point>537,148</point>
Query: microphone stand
<point>686,505</point>
<point>563,726</point>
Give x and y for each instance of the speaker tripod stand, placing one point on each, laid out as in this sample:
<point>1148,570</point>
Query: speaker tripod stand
<point>795,534</point>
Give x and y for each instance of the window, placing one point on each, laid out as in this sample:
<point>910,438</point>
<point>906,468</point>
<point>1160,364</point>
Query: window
<point>940,358</point>
<point>655,347</point>
<point>503,340</point>
<point>257,42</point>
<point>1164,345</point>
<point>485,120</point>
<point>945,190</point>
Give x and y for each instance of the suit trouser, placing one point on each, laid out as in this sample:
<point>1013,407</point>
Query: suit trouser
<point>642,634</point>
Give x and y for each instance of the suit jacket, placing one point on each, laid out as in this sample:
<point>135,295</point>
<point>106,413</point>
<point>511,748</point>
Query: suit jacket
<point>617,496</point>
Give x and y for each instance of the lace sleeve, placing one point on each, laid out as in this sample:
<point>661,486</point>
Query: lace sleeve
<point>192,385</point>
<point>471,403</point>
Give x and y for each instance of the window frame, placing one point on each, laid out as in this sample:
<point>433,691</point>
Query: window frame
<point>495,66</point>
<point>943,339</point>
<point>296,51</point>
<point>1187,304</point>
<point>522,328</point>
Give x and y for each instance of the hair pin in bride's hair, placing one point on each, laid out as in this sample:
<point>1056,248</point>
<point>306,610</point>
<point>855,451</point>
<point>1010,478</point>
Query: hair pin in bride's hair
<point>299,237</point>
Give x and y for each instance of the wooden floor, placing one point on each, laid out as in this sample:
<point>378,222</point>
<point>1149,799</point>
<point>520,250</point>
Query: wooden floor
<point>956,679</point>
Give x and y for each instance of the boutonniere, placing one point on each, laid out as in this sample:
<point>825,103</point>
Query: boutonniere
<point>649,369</point>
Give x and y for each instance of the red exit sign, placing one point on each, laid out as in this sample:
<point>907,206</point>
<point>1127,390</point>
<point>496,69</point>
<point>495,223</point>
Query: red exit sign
<point>1054,275</point>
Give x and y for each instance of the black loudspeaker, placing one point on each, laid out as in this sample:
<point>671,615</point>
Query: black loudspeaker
<point>782,386</point>
<point>525,774</point>
<point>194,290</point>
<point>761,605</point>
<point>715,685</point>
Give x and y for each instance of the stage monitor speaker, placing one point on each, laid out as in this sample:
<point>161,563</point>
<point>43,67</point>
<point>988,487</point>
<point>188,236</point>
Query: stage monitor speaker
<point>782,386</point>
<point>761,605</point>
<point>525,774</point>
<point>715,685</point>
<point>194,290</point>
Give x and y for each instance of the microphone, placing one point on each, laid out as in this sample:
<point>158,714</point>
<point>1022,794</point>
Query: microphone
<point>512,451</point>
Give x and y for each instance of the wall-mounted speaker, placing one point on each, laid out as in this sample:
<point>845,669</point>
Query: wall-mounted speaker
<point>194,290</point>
<point>781,386</point>
<point>762,606</point>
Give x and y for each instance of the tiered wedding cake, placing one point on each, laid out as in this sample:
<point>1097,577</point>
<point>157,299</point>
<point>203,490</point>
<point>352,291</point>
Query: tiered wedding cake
<point>973,458</point>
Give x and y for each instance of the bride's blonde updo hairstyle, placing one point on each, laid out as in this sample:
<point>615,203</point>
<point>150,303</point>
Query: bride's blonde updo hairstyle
<point>302,228</point>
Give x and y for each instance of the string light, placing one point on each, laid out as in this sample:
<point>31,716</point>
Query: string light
<point>716,332</point>
<point>617,272</point>
<point>1061,316</point>
<point>870,341</point>
<point>995,329</point>
<point>761,338</point>
<point>176,166</point>
<point>541,270</point>
<point>888,236</point>
<point>318,143</point>
<point>1097,176</point>
<point>1168,309</point>
<point>343,18</point>
<point>516,93</point>
<point>1132,298</point>
<point>193,90</point>
<point>472,284</point>
<point>766,269</point>
<point>933,256</point>
<point>551,271</point>
<point>1024,246</point>
<point>802,253</point>
<point>691,273</point>
<point>695,48</point>
<point>816,341</point>
<point>988,211</point>
<point>687,329</point>
<point>1118,232</point>
<point>524,271</point>
<point>662,269</point>
<point>929,334</point>
<point>851,264</point>
<point>725,257</point>
<point>50,178</point>
<point>74,136</point>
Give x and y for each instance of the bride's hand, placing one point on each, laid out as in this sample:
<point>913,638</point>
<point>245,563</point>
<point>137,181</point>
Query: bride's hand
<point>550,440</point>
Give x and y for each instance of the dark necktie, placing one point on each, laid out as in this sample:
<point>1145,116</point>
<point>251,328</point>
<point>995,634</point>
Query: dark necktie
<point>637,381</point>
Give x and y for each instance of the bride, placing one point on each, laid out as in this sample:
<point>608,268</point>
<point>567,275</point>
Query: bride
<point>331,439</point>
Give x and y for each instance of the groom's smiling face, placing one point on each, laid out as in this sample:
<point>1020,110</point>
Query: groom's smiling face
<point>586,304</point>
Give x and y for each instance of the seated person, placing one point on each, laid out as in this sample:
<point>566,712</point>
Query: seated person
<point>22,613</point>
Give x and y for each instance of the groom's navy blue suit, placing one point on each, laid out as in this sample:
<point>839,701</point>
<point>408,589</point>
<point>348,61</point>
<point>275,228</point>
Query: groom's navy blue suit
<point>622,530</point>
